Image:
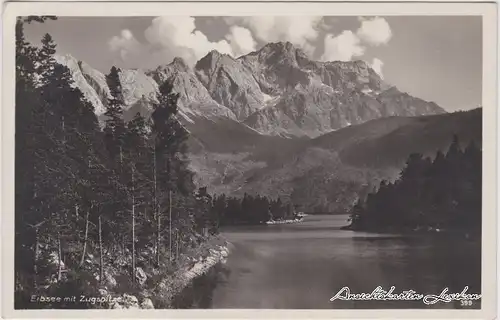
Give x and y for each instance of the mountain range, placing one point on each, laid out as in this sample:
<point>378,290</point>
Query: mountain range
<point>277,90</point>
<point>276,122</point>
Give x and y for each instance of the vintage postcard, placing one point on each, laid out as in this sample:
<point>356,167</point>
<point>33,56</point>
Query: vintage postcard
<point>256,160</point>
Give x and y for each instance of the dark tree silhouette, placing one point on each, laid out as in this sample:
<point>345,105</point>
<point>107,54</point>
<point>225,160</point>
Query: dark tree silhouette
<point>441,194</point>
<point>91,202</point>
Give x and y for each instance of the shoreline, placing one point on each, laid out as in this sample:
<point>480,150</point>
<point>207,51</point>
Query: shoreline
<point>162,295</point>
<point>200,268</point>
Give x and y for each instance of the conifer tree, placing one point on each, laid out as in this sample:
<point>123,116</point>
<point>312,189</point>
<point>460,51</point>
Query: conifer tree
<point>115,126</point>
<point>46,62</point>
<point>86,197</point>
<point>168,137</point>
<point>443,193</point>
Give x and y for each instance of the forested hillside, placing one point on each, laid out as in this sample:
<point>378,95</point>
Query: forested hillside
<point>92,205</point>
<point>439,194</point>
<point>250,210</point>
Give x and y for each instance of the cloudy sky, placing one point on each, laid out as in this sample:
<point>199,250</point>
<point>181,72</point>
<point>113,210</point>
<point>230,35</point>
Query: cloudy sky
<point>434,58</point>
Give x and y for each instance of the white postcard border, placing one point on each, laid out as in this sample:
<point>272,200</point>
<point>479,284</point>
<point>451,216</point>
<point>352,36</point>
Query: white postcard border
<point>204,8</point>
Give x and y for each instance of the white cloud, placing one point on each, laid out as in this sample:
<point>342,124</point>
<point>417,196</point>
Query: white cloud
<point>169,37</point>
<point>343,47</point>
<point>299,30</point>
<point>241,40</point>
<point>377,65</point>
<point>374,31</point>
<point>327,23</point>
<point>347,45</point>
<point>126,45</point>
<point>177,37</point>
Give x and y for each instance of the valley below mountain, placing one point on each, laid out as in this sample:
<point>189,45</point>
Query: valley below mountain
<point>275,122</point>
<point>329,173</point>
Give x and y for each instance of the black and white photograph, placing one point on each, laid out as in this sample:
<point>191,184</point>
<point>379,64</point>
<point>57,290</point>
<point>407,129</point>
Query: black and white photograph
<point>249,162</point>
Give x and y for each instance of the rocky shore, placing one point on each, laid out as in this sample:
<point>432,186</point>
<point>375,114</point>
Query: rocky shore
<point>161,293</point>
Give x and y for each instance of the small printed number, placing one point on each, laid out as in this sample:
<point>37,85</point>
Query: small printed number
<point>466,303</point>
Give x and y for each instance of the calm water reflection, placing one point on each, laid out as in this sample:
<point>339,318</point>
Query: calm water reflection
<point>303,265</point>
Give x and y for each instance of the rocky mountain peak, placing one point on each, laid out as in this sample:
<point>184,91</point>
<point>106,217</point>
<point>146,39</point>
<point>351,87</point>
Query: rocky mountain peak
<point>280,47</point>
<point>356,66</point>
<point>362,64</point>
<point>277,52</point>
<point>91,82</point>
<point>65,57</point>
<point>213,59</point>
<point>180,64</point>
<point>214,53</point>
<point>230,83</point>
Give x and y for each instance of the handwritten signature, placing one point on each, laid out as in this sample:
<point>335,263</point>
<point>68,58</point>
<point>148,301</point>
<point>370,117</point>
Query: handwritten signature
<point>407,295</point>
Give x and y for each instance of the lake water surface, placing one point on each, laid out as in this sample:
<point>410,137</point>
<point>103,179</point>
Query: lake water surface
<point>301,266</point>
